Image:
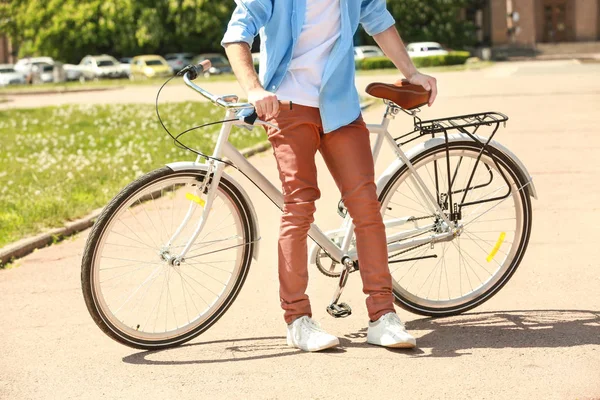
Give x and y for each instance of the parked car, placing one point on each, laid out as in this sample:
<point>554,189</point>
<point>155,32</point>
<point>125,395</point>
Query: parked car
<point>72,72</point>
<point>362,52</point>
<point>126,65</point>
<point>149,66</point>
<point>423,49</point>
<point>178,61</point>
<point>101,67</point>
<point>8,75</point>
<point>219,63</point>
<point>31,67</point>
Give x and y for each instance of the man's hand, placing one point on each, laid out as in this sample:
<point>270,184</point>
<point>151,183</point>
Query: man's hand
<point>265,103</point>
<point>428,82</point>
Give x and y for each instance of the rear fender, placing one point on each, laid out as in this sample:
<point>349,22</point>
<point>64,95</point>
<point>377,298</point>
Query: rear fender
<point>460,137</point>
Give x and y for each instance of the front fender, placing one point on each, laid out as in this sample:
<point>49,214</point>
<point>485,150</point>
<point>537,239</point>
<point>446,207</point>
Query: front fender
<point>459,137</point>
<point>188,165</point>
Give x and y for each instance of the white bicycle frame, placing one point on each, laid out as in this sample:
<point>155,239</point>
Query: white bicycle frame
<point>225,149</point>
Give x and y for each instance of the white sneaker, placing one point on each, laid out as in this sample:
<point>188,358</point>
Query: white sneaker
<point>307,335</point>
<point>389,331</point>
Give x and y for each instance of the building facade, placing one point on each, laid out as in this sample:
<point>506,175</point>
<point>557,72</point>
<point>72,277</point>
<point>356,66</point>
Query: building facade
<point>527,23</point>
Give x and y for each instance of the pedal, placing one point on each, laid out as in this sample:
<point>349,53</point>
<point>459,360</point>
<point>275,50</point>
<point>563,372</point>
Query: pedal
<point>340,310</point>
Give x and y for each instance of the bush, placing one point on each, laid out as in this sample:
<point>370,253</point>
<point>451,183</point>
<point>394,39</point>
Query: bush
<point>452,58</point>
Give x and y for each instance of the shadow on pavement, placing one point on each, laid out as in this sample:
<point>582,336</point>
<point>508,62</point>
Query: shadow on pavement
<point>227,350</point>
<point>446,337</point>
<point>450,337</point>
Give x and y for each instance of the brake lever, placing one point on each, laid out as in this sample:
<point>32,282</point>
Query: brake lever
<point>250,118</point>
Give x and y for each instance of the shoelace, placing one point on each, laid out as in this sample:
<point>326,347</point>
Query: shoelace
<point>393,319</point>
<point>309,326</point>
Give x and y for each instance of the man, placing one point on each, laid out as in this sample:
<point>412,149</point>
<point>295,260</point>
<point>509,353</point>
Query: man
<point>307,58</point>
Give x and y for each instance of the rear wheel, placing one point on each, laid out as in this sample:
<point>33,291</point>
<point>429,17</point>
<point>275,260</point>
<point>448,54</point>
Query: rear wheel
<point>448,278</point>
<point>135,291</point>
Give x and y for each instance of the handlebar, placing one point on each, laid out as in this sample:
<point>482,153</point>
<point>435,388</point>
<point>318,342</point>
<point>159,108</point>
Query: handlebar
<point>191,72</point>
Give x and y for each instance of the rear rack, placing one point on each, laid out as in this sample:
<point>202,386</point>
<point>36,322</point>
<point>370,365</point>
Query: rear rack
<point>460,122</point>
<point>469,126</point>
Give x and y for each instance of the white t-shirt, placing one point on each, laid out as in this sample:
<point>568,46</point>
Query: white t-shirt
<point>321,29</point>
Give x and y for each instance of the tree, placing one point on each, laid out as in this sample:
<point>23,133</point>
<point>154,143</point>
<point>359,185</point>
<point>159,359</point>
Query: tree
<point>433,20</point>
<point>70,29</point>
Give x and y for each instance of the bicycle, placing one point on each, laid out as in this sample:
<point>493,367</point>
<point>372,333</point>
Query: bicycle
<point>157,271</point>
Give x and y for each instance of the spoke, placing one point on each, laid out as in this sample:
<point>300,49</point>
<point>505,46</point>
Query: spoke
<point>150,219</point>
<point>127,237</point>
<point>216,251</point>
<point>126,245</point>
<point>214,279</point>
<point>160,214</point>
<point>420,254</point>
<point>123,274</point>
<point>470,235</point>
<point>421,203</point>
<point>210,265</point>
<point>494,206</point>
<point>497,219</point>
<point>191,287</point>
<point>467,263</point>
<point>477,262</point>
<point>447,283</point>
<point>208,244</point>
<point>487,241</point>
<point>187,313</point>
<point>148,279</point>
<point>434,269</point>
<point>121,266</point>
<point>191,298</point>
<point>158,304</point>
<point>135,261</point>
<point>189,276</point>
<point>403,206</point>
<point>411,199</point>
<point>172,308</point>
<point>140,224</point>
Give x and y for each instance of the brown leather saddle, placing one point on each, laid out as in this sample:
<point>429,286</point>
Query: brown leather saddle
<point>403,93</point>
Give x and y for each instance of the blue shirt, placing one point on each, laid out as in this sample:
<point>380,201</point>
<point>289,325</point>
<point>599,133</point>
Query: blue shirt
<point>279,24</point>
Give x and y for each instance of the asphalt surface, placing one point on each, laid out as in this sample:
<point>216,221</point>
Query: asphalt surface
<point>539,338</point>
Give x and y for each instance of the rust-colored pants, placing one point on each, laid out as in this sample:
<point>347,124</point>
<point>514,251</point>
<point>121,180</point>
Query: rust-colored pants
<point>347,153</point>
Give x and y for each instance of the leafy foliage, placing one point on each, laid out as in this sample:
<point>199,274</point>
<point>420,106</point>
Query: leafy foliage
<point>432,20</point>
<point>70,29</point>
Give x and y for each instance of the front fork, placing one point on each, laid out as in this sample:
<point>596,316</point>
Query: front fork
<point>208,189</point>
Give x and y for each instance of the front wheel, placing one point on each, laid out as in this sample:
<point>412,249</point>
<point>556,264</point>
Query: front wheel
<point>493,212</point>
<point>134,290</point>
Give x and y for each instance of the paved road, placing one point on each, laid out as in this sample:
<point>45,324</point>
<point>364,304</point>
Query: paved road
<point>538,338</point>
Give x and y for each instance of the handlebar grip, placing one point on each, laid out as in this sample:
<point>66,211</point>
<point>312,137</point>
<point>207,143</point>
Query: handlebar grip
<point>193,71</point>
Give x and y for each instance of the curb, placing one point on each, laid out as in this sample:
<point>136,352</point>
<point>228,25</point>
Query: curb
<point>58,91</point>
<point>27,246</point>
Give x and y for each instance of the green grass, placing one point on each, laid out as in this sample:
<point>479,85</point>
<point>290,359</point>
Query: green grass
<point>60,163</point>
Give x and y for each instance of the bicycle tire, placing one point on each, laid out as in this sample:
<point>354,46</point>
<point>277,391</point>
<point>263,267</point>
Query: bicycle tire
<point>99,229</point>
<point>515,172</point>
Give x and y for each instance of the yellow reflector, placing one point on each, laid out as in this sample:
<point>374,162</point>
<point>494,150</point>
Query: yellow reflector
<point>195,198</point>
<point>492,254</point>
